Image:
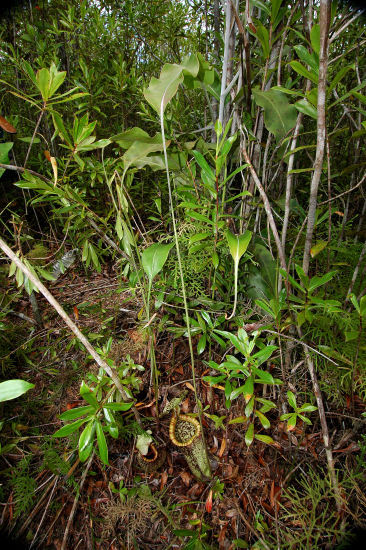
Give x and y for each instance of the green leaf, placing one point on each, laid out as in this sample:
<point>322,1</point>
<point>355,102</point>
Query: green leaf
<point>279,115</point>
<point>249,435</point>
<point>205,167</point>
<point>43,82</point>
<point>140,149</point>
<point>315,282</point>
<point>263,37</point>
<point>262,355</point>
<point>362,306</point>
<point>276,4</point>
<point>102,443</point>
<point>87,394</point>
<point>338,77</point>
<point>118,406</point>
<point>56,79</point>
<point>198,237</point>
<point>162,89</point>
<point>263,376</point>
<point>263,420</point>
<point>291,399</point>
<point>201,345</point>
<point>127,138</point>
<point>60,127</point>
<point>4,158</point>
<point>307,57</point>
<point>317,248</point>
<point>264,438</point>
<point>351,335</point>
<point>238,244</point>
<point>305,107</point>
<point>307,407</point>
<point>315,38</point>
<point>94,258</point>
<point>69,428</point>
<point>294,283</point>
<point>10,389</point>
<point>77,412</point>
<point>154,258</point>
<point>291,422</point>
<point>86,440</point>
<point>303,71</point>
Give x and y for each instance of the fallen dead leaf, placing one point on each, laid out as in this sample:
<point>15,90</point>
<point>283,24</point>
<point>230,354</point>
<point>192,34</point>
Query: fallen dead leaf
<point>186,478</point>
<point>222,447</point>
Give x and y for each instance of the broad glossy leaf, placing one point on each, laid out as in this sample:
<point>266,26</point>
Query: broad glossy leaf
<point>102,443</point>
<point>307,108</point>
<point>303,71</point>
<point>87,394</point>
<point>291,399</point>
<point>307,407</point>
<point>248,388</point>
<point>315,38</point>
<point>162,89</point>
<point>263,37</point>
<point>140,149</point>
<point>69,428</point>
<point>307,57</point>
<point>201,345</point>
<point>56,79</point>
<point>86,440</point>
<point>118,406</point>
<point>265,353</point>
<point>263,376</point>
<point>43,82</point>
<point>127,138</point>
<point>263,420</point>
<point>279,115</point>
<point>10,389</point>
<point>77,412</point>
<point>238,244</point>
<point>154,258</point>
<point>249,435</point>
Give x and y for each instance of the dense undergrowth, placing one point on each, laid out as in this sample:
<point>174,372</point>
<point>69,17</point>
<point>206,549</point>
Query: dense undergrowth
<point>182,277</point>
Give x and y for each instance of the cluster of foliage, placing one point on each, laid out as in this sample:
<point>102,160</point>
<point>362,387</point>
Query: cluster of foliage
<point>217,158</point>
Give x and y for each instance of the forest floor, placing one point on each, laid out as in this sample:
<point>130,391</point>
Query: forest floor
<point>264,496</point>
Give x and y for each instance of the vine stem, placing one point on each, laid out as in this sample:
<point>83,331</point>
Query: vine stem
<point>323,423</point>
<point>180,267</point>
<point>55,304</point>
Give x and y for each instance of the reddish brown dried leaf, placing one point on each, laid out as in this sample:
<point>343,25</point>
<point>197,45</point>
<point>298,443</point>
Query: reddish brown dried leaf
<point>222,447</point>
<point>186,478</point>
<point>208,504</point>
<point>5,125</point>
<point>163,480</point>
<point>47,154</point>
<point>189,386</point>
